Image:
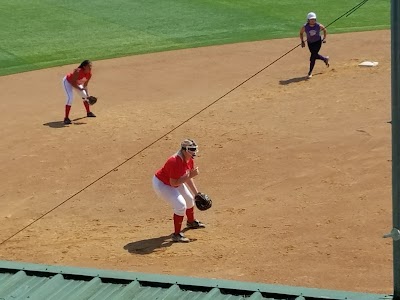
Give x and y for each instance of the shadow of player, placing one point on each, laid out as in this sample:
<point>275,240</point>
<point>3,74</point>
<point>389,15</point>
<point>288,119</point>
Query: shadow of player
<point>60,124</point>
<point>148,246</point>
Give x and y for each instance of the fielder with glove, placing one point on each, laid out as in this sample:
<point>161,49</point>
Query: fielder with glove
<point>79,80</point>
<point>174,183</point>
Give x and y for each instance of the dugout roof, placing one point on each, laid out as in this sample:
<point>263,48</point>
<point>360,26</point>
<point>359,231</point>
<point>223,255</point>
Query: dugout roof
<point>42,282</point>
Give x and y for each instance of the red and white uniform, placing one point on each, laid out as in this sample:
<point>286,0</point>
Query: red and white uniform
<point>174,168</point>
<point>179,197</point>
<point>83,77</point>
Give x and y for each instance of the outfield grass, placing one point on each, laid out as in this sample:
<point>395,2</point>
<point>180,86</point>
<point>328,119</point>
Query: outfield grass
<point>43,33</point>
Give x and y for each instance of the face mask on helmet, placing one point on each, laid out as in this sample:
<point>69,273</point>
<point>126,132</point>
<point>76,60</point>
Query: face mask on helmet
<point>192,150</point>
<point>190,147</point>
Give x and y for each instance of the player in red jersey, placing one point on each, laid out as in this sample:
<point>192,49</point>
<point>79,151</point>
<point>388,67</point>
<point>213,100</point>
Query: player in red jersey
<point>174,183</point>
<point>78,80</point>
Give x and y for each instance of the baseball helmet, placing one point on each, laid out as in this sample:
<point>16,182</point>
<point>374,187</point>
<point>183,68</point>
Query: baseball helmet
<point>311,15</point>
<point>190,146</point>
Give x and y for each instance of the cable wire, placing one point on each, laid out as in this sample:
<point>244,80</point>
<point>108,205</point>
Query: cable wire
<point>346,14</point>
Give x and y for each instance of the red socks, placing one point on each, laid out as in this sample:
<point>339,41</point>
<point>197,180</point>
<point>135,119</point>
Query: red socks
<point>179,219</point>
<point>178,223</point>
<point>86,106</point>
<point>190,214</point>
<point>67,109</point>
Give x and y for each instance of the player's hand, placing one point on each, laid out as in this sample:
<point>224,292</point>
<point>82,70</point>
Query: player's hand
<point>194,172</point>
<point>303,44</point>
<point>324,41</point>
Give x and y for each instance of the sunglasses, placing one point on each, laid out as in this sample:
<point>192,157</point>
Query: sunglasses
<point>193,149</point>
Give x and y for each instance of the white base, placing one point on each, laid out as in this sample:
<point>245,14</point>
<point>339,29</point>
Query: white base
<point>368,64</point>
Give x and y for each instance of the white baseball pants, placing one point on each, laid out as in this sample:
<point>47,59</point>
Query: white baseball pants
<point>69,91</point>
<point>180,197</point>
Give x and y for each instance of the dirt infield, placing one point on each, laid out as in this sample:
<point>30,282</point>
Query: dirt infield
<point>299,170</point>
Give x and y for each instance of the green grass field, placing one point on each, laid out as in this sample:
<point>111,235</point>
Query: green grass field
<point>44,33</point>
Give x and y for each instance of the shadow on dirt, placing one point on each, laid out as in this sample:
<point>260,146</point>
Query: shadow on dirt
<point>60,124</point>
<point>293,80</point>
<point>150,245</point>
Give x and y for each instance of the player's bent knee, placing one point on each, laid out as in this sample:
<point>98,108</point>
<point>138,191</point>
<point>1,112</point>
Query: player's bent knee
<point>180,211</point>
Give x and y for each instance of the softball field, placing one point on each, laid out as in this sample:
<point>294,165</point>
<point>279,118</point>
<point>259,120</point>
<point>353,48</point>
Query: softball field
<point>299,170</point>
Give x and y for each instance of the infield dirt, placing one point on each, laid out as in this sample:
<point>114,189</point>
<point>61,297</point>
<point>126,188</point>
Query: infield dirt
<point>299,170</point>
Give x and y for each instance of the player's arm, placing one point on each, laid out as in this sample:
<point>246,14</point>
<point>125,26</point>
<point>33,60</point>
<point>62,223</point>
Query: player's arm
<point>185,178</point>
<point>192,186</point>
<point>85,86</point>
<point>179,181</point>
<point>302,30</point>
<point>324,31</point>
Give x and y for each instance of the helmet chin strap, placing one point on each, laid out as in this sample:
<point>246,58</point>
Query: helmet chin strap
<point>192,154</point>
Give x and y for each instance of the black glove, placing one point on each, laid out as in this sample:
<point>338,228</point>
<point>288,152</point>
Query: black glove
<point>202,201</point>
<point>92,100</point>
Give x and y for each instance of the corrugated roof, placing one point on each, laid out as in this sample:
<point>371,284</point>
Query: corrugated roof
<point>41,282</point>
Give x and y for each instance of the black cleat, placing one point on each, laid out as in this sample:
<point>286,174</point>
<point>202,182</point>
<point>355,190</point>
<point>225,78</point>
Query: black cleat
<point>180,238</point>
<point>195,224</point>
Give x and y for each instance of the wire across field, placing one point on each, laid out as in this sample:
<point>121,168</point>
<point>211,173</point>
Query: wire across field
<point>299,170</point>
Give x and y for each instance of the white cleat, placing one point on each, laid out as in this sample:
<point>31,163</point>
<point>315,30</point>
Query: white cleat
<point>327,61</point>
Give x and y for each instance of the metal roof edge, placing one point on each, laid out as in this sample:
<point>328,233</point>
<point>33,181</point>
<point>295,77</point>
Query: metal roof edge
<point>112,275</point>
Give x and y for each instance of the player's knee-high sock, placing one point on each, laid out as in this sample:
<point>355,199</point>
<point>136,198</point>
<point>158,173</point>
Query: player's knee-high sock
<point>190,214</point>
<point>67,109</point>
<point>178,223</point>
<point>86,106</point>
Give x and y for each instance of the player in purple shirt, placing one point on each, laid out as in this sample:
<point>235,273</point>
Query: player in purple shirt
<point>314,41</point>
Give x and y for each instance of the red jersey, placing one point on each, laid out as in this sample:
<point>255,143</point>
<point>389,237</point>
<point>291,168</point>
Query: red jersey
<point>174,168</point>
<point>82,76</point>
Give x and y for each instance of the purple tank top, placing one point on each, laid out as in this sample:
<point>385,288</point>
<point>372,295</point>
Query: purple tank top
<point>313,33</point>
